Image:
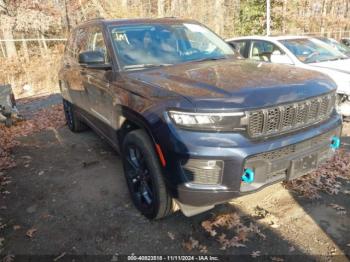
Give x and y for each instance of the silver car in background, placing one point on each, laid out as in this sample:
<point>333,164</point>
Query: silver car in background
<point>303,52</point>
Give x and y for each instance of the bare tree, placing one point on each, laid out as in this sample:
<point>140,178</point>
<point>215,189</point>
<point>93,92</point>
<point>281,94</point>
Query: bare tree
<point>6,25</point>
<point>161,8</point>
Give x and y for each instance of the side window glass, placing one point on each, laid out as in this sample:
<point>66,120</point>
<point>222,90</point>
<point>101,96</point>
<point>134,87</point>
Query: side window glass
<point>262,50</point>
<point>97,43</point>
<point>241,47</point>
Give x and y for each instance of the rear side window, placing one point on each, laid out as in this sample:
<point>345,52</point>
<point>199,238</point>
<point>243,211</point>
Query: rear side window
<point>241,46</point>
<point>262,50</point>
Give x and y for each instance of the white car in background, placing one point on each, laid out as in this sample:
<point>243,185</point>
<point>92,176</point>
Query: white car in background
<point>303,52</point>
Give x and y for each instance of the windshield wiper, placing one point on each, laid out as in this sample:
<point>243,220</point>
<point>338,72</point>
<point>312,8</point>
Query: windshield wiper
<point>141,66</point>
<point>209,59</point>
<point>334,59</point>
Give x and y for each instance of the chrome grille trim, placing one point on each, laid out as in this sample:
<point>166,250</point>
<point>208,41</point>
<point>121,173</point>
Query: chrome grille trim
<point>290,117</point>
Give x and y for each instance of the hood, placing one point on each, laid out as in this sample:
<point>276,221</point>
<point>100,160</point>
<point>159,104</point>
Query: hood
<point>232,83</point>
<point>338,65</point>
<point>338,71</point>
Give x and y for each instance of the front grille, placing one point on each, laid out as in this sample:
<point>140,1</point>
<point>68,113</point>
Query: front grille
<point>205,172</point>
<point>290,117</point>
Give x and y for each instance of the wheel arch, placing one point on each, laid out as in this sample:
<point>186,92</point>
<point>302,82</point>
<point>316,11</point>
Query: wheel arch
<point>132,121</point>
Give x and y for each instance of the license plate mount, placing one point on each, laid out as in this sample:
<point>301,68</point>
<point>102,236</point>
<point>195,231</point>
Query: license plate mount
<point>302,165</point>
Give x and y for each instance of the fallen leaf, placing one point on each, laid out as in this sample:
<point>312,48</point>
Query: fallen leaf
<point>30,232</point>
<point>255,254</point>
<point>278,259</point>
<point>190,244</point>
<point>16,227</point>
<point>325,178</point>
<point>340,209</point>
<point>171,235</point>
<point>8,258</point>
<point>203,249</point>
<point>59,257</point>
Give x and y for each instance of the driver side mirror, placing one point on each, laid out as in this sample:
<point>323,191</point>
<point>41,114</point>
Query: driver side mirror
<point>93,60</point>
<point>278,58</point>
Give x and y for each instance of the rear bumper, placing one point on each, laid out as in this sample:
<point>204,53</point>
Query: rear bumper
<point>273,160</point>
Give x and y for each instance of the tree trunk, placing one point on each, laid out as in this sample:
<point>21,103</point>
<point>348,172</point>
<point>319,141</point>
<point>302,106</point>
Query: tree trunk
<point>124,4</point>
<point>284,16</point>
<point>161,5</point>
<point>219,16</point>
<point>99,7</point>
<point>324,14</point>
<point>41,48</point>
<point>83,12</point>
<point>173,8</point>
<point>25,48</point>
<point>3,52</point>
<point>9,45</point>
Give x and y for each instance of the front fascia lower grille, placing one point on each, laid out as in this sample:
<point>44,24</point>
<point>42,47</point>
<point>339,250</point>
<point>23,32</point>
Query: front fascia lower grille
<point>203,172</point>
<point>290,117</point>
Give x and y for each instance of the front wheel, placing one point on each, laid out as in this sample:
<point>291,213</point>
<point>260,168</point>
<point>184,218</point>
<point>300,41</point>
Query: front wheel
<point>144,177</point>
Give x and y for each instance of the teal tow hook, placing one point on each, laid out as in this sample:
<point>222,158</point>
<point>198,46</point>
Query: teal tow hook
<point>335,143</point>
<point>248,175</point>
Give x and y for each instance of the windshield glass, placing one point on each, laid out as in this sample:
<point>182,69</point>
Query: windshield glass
<point>309,50</point>
<point>340,47</point>
<point>141,46</point>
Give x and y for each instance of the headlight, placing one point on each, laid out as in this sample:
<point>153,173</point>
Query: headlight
<point>208,121</point>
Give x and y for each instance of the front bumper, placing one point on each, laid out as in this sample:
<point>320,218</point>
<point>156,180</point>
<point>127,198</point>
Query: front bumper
<point>228,154</point>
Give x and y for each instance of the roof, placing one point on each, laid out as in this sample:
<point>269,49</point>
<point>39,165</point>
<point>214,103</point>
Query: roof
<point>275,38</point>
<point>127,21</point>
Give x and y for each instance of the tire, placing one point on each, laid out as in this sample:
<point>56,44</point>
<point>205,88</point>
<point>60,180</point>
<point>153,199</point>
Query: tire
<point>8,122</point>
<point>144,177</point>
<point>73,122</point>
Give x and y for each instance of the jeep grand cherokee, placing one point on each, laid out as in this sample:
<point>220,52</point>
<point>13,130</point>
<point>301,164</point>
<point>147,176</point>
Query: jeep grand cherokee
<point>194,124</point>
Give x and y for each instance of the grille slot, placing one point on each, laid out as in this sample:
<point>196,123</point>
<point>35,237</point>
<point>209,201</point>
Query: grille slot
<point>273,120</point>
<point>290,116</point>
<point>256,121</point>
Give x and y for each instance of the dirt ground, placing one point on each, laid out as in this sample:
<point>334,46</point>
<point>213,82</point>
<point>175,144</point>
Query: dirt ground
<point>68,196</point>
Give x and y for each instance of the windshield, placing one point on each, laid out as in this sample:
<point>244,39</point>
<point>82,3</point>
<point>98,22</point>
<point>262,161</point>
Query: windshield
<point>309,50</point>
<point>139,46</point>
<point>340,47</point>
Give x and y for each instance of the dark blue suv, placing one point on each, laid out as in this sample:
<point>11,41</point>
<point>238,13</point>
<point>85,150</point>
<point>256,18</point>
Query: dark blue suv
<point>194,124</point>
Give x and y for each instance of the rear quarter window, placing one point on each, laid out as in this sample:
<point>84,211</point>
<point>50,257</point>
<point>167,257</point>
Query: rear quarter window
<point>240,47</point>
